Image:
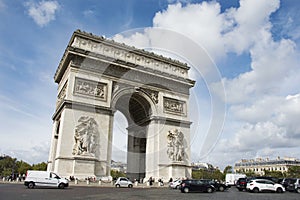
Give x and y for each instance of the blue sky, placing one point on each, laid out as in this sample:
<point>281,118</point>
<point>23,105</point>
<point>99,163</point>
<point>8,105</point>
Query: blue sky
<point>253,47</point>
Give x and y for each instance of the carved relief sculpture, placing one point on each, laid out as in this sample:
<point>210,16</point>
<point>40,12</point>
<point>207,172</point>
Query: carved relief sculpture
<point>62,94</point>
<point>90,88</point>
<point>174,106</point>
<point>152,94</point>
<point>175,141</point>
<point>85,137</point>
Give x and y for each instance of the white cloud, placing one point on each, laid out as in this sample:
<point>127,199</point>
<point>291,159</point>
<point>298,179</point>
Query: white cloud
<point>33,155</point>
<point>2,5</point>
<point>201,22</point>
<point>42,12</point>
<point>246,22</point>
<point>262,107</point>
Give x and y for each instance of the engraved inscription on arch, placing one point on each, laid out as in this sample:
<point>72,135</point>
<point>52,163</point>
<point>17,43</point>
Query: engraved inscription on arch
<point>174,106</point>
<point>90,88</point>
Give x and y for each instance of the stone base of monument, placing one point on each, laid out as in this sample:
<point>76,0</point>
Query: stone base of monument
<point>175,170</point>
<point>87,167</point>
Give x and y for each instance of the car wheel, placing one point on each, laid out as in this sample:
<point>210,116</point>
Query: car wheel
<point>279,190</point>
<point>186,190</point>
<point>31,185</point>
<point>61,186</point>
<point>221,188</point>
<point>130,186</point>
<point>176,187</point>
<point>117,185</point>
<point>209,190</point>
<point>298,190</point>
<point>255,190</point>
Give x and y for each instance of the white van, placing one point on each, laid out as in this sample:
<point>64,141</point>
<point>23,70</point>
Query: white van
<point>231,179</point>
<point>44,179</point>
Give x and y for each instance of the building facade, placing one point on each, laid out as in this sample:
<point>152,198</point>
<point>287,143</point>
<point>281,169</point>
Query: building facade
<point>260,165</point>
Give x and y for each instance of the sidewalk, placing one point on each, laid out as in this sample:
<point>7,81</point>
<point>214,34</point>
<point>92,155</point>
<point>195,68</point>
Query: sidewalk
<point>96,184</point>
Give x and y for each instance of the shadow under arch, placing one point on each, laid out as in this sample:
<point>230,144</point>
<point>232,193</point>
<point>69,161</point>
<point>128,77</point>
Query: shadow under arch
<point>138,108</point>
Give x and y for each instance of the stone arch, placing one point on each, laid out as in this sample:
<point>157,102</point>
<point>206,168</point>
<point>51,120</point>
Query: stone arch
<point>95,78</point>
<point>138,108</point>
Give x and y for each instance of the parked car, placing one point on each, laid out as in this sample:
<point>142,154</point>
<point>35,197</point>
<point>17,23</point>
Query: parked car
<point>288,181</point>
<point>123,182</point>
<point>291,184</point>
<point>175,184</point>
<point>194,185</point>
<point>297,186</point>
<point>241,184</point>
<point>261,185</point>
<point>44,179</point>
<point>218,186</point>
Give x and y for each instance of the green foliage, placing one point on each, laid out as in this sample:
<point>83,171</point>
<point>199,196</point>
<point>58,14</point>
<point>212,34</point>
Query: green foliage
<point>9,166</point>
<point>40,166</point>
<point>275,174</point>
<point>23,167</point>
<point>115,174</point>
<point>207,174</point>
<point>228,169</point>
<point>293,171</point>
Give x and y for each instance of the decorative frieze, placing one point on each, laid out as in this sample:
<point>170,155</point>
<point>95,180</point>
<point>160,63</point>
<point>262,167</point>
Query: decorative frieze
<point>90,88</point>
<point>131,56</point>
<point>174,106</point>
<point>175,140</point>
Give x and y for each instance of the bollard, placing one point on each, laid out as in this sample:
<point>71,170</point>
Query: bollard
<point>76,181</point>
<point>136,183</point>
<point>100,182</point>
<point>87,181</point>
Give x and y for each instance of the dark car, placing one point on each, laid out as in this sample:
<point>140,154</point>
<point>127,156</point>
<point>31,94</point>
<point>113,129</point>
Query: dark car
<point>241,184</point>
<point>291,184</point>
<point>193,185</point>
<point>218,186</point>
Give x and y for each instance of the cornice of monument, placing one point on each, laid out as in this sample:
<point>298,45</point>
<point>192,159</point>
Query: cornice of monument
<point>160,64</point>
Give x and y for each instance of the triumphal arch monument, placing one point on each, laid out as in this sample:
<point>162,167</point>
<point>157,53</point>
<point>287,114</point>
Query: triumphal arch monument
<point>97,77</point>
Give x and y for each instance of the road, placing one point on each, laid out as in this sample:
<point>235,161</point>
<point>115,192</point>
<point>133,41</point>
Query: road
<point>20,192</point>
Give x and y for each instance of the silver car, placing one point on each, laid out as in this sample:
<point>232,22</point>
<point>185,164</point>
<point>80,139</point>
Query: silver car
<point>123,182</point>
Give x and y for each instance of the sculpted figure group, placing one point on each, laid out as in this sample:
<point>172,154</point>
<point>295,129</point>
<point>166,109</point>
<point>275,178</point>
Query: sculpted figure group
<point>175,150</point>
<point>85,137</point>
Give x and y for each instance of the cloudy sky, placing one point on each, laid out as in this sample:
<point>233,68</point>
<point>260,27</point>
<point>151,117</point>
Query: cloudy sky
<point>244,56</point>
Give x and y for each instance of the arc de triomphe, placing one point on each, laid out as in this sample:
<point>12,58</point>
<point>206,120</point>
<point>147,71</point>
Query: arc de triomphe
<point>96,77</point>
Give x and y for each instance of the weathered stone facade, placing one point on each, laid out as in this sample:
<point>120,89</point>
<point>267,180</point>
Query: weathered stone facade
<point>96,77</point>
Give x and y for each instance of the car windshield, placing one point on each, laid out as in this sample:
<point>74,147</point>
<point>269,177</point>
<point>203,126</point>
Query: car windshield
<point>55,176</point>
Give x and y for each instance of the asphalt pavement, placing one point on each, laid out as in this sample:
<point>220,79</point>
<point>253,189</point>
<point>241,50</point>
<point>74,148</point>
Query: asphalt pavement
<point>17,191</point>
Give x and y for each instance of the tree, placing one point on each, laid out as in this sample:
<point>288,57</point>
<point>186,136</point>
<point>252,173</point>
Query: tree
<point>293,171</point>
<point>115,174</point>
<point>207,174</point>
<point>23,167</point>
<point>40,166</point>
<point>8,166</point>
<point>228,169</point>
<point>275,174</point>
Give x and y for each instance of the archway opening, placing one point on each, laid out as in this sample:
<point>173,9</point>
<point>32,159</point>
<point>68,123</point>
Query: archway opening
<point>137,111</point>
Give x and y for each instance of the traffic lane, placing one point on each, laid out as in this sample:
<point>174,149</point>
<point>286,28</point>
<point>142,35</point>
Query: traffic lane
<point>18,191</point>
